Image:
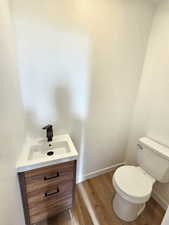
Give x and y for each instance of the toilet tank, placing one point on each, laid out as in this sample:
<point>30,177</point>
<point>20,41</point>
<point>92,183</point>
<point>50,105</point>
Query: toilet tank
<point>154,159</point>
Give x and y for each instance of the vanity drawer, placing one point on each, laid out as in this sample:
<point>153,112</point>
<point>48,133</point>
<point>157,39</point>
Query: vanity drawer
<point>46,193</point>
<point>51,175</point>
<point>49,201</point>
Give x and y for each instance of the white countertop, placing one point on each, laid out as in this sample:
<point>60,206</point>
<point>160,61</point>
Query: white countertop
<point>25,164</point>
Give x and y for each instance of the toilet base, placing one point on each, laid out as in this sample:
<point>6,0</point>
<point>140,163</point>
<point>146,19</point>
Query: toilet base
<point>126,210</point>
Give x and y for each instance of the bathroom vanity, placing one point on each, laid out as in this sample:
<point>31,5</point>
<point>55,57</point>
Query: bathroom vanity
<point>47,182</point>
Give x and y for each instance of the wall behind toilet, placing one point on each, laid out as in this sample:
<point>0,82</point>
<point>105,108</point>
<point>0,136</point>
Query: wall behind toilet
<point>151,114</point>
<point>11,121</point>
<point>80,63</point>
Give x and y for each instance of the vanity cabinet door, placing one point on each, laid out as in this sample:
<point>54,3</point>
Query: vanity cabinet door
<point>47,191</point>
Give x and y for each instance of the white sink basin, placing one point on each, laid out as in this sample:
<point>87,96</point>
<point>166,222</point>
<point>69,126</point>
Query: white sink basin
<point>40,153</point>
<point>44,149</point>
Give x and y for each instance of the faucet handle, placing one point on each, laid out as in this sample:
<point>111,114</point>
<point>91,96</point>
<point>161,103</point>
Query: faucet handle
<point>49,126</point>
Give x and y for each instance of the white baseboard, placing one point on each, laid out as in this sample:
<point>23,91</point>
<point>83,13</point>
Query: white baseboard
<point>97,172</point>
<point>161,201</point>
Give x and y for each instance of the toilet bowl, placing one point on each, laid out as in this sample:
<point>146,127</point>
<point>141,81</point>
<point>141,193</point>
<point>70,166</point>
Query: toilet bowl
<point>134,184</point>
<point>133,188</point>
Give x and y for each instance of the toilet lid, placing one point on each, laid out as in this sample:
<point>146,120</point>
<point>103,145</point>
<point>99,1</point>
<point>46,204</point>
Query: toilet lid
<point>134,182</point>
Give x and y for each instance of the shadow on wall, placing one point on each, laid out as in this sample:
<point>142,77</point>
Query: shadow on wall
<point>68,121</point>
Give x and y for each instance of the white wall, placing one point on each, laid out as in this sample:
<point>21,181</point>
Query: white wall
<point>11,121</point>
<point>151,116</point>
<point>80,62</point>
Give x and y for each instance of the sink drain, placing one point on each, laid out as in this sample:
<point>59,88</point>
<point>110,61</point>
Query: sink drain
<point>50,153</point>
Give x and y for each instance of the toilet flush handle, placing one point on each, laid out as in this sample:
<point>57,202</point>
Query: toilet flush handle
<point>140,147</point>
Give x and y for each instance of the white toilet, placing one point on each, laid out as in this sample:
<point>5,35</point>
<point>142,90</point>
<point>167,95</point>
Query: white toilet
<point>134,184</point>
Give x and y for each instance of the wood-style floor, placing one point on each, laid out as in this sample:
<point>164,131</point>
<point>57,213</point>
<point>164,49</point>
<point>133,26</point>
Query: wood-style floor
<point>93,206</point>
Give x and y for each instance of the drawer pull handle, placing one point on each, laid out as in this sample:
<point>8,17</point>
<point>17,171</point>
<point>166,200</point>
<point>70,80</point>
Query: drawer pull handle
<point>48,194</point>
<point>51,177</point>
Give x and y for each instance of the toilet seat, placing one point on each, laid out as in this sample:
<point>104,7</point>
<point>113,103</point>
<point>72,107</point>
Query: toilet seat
<point>133,184</point>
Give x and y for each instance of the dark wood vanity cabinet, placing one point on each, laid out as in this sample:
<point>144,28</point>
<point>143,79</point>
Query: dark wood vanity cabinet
<point>47,191</point>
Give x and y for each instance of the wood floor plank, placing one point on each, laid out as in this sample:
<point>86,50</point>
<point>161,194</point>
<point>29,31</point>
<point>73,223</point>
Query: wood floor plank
<point>93,206</point>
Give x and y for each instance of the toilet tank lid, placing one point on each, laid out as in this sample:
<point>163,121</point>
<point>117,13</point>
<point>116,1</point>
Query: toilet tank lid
<point>158,148</point>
